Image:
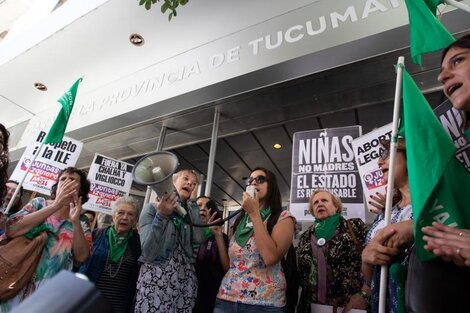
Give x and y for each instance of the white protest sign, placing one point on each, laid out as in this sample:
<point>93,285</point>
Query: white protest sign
<point>325,159</point>
<point>110,179</point>
<point>367,150</point>
<point>53,158</point>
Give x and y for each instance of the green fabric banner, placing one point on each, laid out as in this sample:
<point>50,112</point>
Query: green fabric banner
<point>426,32</point>
<point>57,131</point>
<point>436,177</point>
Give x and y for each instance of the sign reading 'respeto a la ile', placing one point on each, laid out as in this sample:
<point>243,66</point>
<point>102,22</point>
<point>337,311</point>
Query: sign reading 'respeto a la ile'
<point>110,179</point>
<point>52,158</point>
<point>324,159</point>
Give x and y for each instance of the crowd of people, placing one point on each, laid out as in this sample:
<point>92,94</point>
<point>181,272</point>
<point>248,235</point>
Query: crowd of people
<point>168,265</point>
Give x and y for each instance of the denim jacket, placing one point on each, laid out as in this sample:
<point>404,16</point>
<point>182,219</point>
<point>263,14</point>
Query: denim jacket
<point>159,235</point>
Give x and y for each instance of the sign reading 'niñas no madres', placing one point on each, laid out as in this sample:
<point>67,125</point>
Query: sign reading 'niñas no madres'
<point>324,159</point>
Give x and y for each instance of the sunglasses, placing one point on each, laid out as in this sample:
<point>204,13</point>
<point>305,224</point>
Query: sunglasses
<point>258,179</point>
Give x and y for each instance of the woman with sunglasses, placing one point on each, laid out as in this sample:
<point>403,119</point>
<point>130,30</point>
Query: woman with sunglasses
<point>262,235</point>
<point>329,254</point>
<point>387,245</point>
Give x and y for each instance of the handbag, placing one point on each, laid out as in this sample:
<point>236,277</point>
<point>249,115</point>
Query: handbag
<point>19,258</point>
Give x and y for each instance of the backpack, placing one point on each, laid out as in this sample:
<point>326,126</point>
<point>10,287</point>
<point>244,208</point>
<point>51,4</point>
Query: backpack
<point>289,267</point>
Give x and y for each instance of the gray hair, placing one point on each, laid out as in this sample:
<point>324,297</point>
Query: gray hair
<point>127,200</point>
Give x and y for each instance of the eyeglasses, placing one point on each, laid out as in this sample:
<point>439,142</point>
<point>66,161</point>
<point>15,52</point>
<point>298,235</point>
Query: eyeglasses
<point>258,179</point>
<point>386,154</point>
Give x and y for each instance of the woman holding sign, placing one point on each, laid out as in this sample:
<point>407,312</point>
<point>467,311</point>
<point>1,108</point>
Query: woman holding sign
<point>329,254</point>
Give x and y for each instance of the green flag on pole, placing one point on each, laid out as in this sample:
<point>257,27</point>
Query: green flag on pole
<point>57,131</point>
<point>426,32</point>
<point>435,176</point>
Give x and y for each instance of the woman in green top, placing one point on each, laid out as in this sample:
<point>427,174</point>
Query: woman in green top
<point>329,254</point>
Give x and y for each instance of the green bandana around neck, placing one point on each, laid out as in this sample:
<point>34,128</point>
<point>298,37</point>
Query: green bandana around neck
<point>327,227</point>
<point>245,228</point>
<point>117,245</point>
<point>207,233</point>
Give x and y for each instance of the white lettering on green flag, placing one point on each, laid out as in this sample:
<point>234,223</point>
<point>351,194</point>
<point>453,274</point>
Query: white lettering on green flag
<point>435,176</point>
<point>57,131</point>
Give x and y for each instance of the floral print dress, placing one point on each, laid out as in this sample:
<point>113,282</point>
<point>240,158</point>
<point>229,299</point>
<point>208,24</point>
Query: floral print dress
<point>57,253</point>
<point>249,280</point>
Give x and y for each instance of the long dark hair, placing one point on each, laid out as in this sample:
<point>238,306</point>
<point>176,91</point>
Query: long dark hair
<point>84,183</point>
<point>4,161</point>
<point>273,200</point>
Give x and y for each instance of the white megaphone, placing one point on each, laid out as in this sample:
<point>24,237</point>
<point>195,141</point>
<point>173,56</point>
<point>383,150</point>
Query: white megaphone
<point>156,170</point>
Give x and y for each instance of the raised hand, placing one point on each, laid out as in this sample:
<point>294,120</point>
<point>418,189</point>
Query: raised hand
<point>376,253</point>
<point>167,204</point>
<point>76,210</point>
<point>216,229</point>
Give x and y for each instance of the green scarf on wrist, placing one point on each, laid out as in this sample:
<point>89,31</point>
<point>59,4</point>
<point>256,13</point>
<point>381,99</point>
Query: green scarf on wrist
<point>245,228</point>
<point>117,245</point>
<point>326,228</point>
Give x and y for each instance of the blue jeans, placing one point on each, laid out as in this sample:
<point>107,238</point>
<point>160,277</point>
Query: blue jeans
<point>222,306</point>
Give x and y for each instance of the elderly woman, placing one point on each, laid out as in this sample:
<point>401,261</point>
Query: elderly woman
<point>113,265</point>
<point>329,254</point>
<point>167,279</point>
<point>441,284</point>
<point>68,235</point>
<point>262,235</point>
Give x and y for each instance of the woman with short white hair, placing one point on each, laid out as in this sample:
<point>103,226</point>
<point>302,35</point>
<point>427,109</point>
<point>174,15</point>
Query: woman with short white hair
<point>113,265</point>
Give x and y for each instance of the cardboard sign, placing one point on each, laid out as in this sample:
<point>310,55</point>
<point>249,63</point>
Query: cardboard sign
<point>52,158</point>
<point>110,179</point>
<point>324,159</point>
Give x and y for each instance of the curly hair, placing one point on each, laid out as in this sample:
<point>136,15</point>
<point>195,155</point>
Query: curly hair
<point>4,161</point>
<point>84,183</point>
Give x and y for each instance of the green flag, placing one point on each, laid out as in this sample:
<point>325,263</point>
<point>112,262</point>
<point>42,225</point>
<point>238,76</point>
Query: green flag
<point>426,32</point>
<point>56,133</point>
<point>437,179</point>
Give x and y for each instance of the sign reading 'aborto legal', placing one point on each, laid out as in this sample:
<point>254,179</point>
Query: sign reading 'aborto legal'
<point>324,159</point>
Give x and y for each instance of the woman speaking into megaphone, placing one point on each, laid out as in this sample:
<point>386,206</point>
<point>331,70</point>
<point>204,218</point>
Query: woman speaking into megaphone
<point>167,279</point>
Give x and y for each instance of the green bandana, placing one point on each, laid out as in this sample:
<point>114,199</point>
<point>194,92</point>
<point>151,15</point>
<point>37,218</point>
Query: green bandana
<point>245,228</point>
<point>117,245</point>
<point>207,233</point>
<point>327,227</point>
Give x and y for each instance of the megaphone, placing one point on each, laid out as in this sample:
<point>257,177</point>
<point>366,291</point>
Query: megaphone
<point>156,171</point>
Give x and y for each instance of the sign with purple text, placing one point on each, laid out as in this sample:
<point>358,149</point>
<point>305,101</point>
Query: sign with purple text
<point>53,158</point>
<point>324,159</point>
<point>110,179</point>
<point>367,150</point>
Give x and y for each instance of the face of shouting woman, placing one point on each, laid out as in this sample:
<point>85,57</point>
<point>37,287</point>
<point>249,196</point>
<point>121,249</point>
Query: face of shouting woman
<point>185,184</point>
<point>455,76</point>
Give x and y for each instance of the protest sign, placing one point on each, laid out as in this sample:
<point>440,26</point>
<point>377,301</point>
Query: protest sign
<point>110,179</point>
<point>367,150</point>
<point>53,158</point>
<point>453,121</point>
<point>324,159</point>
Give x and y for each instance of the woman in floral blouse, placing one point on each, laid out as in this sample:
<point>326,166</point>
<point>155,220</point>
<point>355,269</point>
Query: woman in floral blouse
<point>68,233</point>
<point>329,254</point>
<point>262,235</point>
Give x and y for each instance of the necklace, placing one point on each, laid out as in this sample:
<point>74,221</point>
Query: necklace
<point>109,266</point>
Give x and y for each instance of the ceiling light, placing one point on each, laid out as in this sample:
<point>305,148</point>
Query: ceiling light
<point>136,40</point>
<point>277,146</point>
<point>40,86</point>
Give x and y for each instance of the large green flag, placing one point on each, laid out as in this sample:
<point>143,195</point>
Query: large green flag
<point>57,131</point>
<point>426,32</point>
<point>437,179</point>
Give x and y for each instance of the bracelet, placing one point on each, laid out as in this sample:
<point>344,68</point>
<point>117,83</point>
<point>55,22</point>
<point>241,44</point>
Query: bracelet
<point>364,296</point>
